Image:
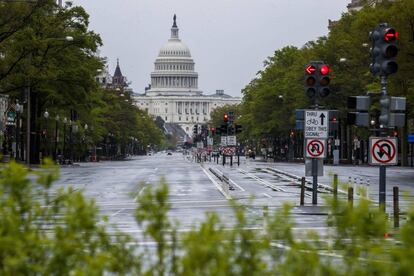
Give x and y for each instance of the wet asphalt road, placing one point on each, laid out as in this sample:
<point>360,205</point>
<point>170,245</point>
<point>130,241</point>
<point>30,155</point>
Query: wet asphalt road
<point>194,190</point>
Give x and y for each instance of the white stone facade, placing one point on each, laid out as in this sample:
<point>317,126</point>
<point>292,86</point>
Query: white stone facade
<point>174,95</point>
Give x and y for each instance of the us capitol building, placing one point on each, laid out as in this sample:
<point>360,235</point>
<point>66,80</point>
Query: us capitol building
<point>174,95</point>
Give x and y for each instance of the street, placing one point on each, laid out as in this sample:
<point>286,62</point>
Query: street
<point>195,189</point>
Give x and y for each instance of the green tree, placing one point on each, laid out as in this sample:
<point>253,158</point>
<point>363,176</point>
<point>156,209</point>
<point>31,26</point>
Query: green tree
<point>46,232</point>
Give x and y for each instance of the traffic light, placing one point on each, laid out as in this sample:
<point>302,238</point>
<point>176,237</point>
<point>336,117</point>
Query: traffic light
<point>392,112</point>
<point>310,80</point>
<point>223,129</point>
<point>324,80</point>
<point>361,104</point>
<point>231,117</point>
<point>384,118</point>
<point>317,80</point>
<point>213,131</point>
<point>218,130</point>
<point>226,118</point>
<point>238,129</point>
<point>333,120</point>
<point>384,50</point>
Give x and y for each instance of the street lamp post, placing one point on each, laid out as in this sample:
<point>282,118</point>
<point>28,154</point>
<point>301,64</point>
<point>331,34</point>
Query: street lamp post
<point>55,154</point>
<point>70,142</point>
<point>46,116</point>
<point>86,156</point>
<point>73,129</point>
<point>28,129</point>
<point>19,110</point>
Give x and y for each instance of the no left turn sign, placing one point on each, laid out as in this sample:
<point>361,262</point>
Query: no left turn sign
<point>383,151</point>
<point>315,148</point>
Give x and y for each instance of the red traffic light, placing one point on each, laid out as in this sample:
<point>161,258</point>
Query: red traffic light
<point>390,35</point>
<point>324,69</point>
<point>310,69</point>
<point>226,117</point>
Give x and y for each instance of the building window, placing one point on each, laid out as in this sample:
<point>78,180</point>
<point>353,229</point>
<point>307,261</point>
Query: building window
<point>179,118</point>
<point>197,119</point>
<point>166,110</point>
<point>166,118</point>
<point>186,119</point>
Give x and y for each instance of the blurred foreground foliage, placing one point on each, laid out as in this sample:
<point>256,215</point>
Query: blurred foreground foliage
<point>47,231</point>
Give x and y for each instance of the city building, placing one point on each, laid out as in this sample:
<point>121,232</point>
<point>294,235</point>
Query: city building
<point>354,6</point>
<point>357,5</point>
<point>174,95</point>
<point>117,81</point>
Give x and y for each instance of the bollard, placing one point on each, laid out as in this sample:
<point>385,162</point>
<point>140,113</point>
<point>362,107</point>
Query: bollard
<point>335,186</point>
<point>224,159</point>
<point>396,207</point>
<point>367,192</point>
<point>238,159</point>
<point>355,184</point>
<point>302,191</point>
<point>231,161</point>
<point>351,196</point>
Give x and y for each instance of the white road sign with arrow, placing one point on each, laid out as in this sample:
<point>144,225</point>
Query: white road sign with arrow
<point>316,124</point>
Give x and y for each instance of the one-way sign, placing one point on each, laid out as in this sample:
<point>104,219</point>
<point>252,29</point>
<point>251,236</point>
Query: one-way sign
<point>316,124</point>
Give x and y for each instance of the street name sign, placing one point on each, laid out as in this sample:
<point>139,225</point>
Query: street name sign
<point>383,151</point>
<point>316,124</point>
<point>315,148</point>
<point>231,140</point>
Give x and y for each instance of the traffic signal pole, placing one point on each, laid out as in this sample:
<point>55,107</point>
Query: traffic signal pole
<point>383,169</point>
<point>315,181</point>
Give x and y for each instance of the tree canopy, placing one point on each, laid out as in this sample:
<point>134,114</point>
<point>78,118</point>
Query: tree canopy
<point>270,99</point>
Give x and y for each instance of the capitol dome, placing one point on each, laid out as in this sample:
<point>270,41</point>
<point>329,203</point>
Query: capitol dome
<point>174,48</point>
<point>174,68</point>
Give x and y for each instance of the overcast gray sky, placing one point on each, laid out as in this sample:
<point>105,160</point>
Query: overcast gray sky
<point>228,39</point>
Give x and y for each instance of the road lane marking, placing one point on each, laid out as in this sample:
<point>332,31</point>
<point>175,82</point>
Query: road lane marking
<point>266,195</point>
<point>234,183</point>
<point>116,213</point>
<point>139,193</point>
<point>260,180</point>
<point>218,186</point>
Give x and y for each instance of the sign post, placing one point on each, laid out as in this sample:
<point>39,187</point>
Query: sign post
<point>316,130</point>
<point>383,152</point>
